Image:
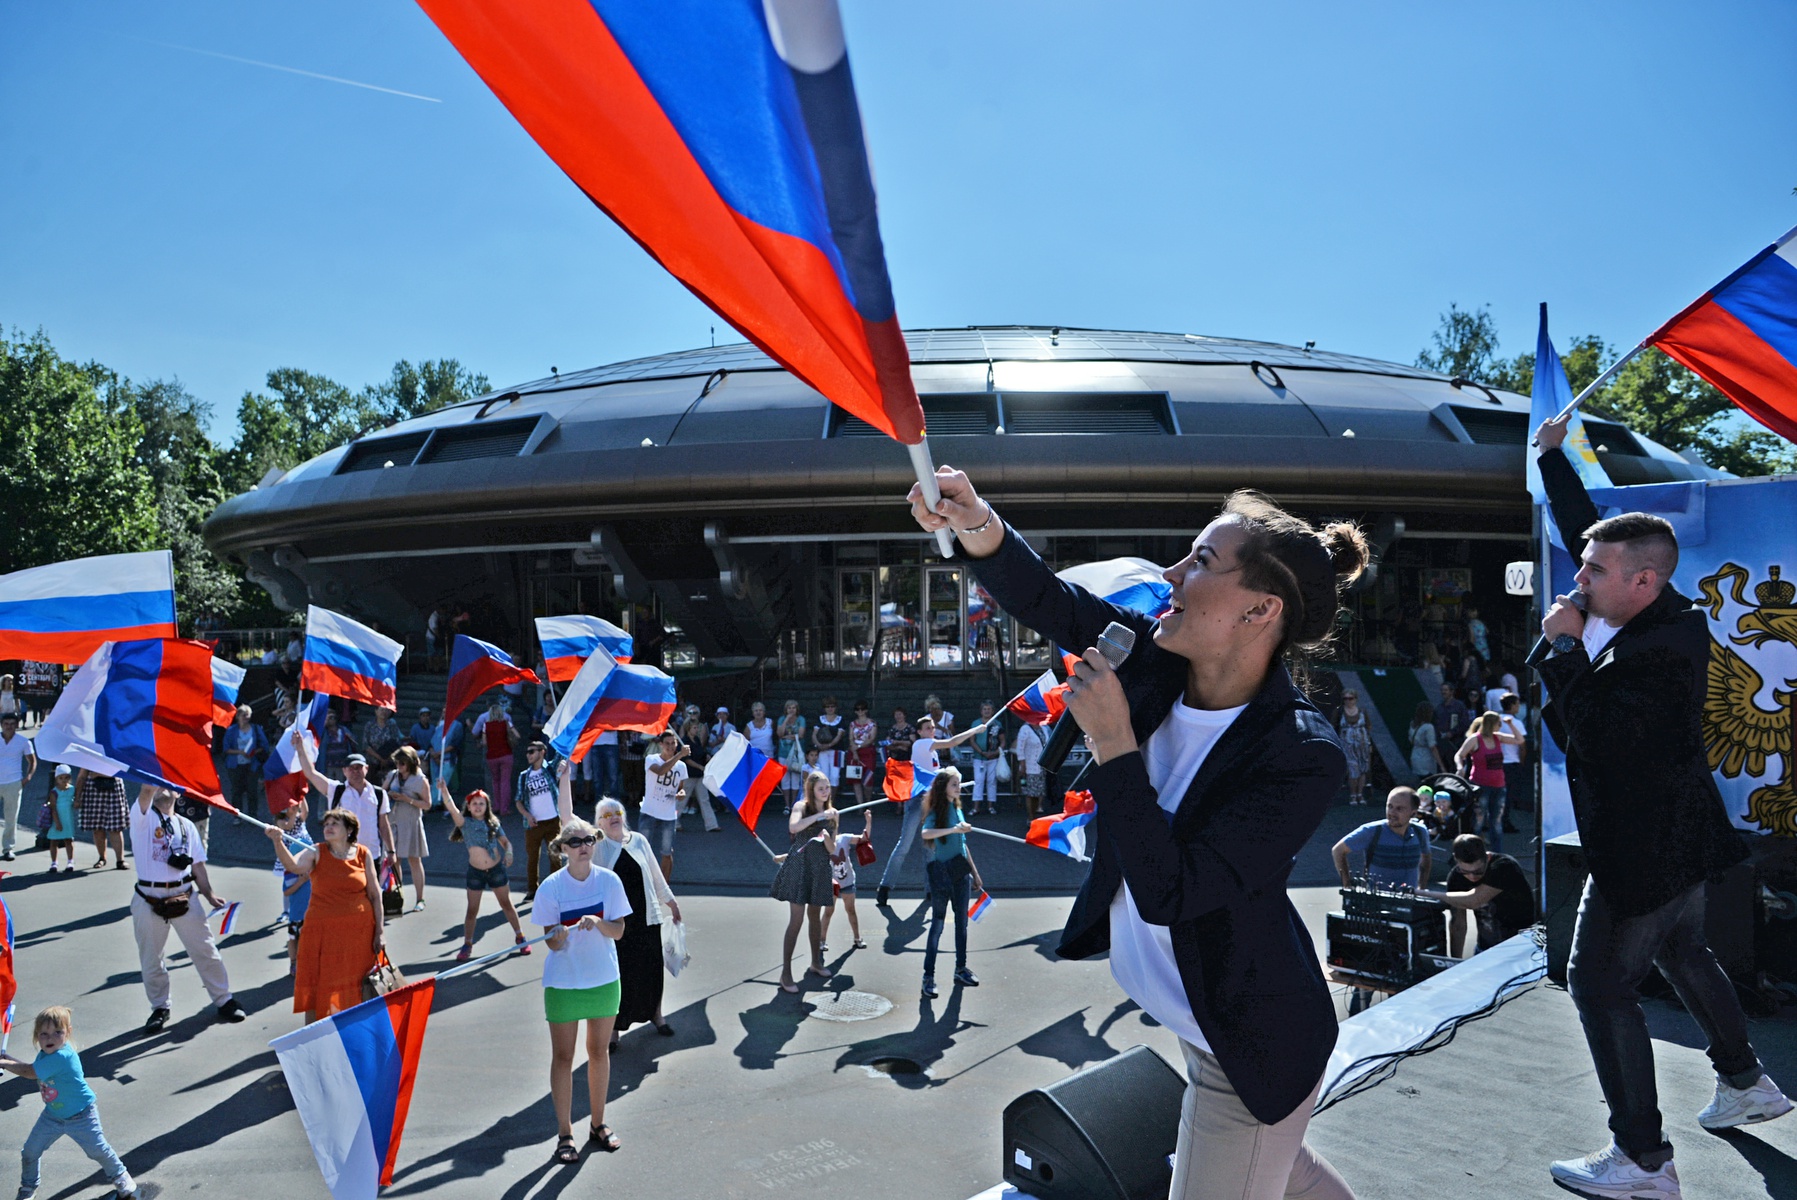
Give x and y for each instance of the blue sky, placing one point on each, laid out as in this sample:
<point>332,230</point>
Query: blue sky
<point>1281,171</point>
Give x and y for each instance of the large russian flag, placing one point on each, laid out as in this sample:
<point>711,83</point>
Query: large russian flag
<point>62,612</point>
<point>568,642</point>
<point>227,681</point>
<point>724,136</point>
<point>1741,336</point>
<point>140,709</point>
<point>9,980</point>
<point>474,667</point>
<point>744,776</point>
<point>607,696</point>
<point>351,1077</point>
<point>345,658</point>
<point>1132,583</point>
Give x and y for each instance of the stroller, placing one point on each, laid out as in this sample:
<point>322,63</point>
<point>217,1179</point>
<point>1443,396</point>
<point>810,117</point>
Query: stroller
<point>1455,810</point>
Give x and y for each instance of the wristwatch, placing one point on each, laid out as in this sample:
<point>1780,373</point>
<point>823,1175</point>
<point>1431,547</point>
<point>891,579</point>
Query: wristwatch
<point>1565,644</point>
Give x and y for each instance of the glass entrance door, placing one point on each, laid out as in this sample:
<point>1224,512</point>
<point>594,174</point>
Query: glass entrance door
<point>855,622</point>
<point>945,617</point>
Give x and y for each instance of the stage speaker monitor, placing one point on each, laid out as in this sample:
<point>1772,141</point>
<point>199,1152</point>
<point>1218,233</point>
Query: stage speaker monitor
<point>1104,1133</point>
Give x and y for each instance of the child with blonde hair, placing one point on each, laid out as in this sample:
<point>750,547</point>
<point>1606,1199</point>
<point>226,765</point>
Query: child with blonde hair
<point>69,1107</point>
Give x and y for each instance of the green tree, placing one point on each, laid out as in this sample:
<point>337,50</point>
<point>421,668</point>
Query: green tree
<point>183,466</point>
<point>412,391</point>
<point>1466,344</point>
<point>304,416</point>
<point>69,471</point>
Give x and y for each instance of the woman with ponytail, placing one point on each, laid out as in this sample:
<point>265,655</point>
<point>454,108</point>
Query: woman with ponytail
<point>1212,769</point>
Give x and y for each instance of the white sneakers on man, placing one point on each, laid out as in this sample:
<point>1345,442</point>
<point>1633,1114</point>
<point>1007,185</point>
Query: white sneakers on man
<point>1744,1106</point>
<point>1609,1174</point>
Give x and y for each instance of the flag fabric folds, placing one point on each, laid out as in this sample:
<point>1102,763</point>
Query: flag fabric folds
<point>606,696</point>
<point>744,776</point>
<point>475,666</point>
<point>1547,397</point>
<point>351,1076</point>
<point>1065,832</point>
<point>568,642</point>
<point>282,781</point>
<point>9,981</point>
<point>227,681</point>
<point>1132,583</point>
<point>140,709</point>
<point>898,780</point>
<point>726,139</point>
<point>1041,703</point>
<point>1741,336</point>
<point>228,925</point>
<point>976,908</point>
<point>62,612</point>
<point>347,659</point>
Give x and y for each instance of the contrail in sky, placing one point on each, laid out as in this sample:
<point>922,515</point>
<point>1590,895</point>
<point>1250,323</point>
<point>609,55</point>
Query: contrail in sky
<point>290,70</point>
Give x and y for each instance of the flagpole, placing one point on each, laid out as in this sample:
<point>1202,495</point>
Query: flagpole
<point>858,807</point>
<point>925,466</point>
<point>464,968</point>
<point>1599,382</point>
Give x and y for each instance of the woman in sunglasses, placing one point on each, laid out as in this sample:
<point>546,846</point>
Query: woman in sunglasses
<point>582,906</point>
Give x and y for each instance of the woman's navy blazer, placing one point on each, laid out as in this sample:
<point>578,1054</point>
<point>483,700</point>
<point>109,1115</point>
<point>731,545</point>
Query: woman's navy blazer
<point>1215,870</point>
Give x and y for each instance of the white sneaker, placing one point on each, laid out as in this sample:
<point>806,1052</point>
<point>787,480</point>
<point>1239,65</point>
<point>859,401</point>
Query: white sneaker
<point>1612,1175</point>
<point>124,1186</point>
<point>1744,1106</point>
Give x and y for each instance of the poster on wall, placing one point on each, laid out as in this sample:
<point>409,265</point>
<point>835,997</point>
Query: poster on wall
<point>1738,560</point>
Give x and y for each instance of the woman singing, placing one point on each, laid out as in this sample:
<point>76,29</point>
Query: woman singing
<point>1212,771</point>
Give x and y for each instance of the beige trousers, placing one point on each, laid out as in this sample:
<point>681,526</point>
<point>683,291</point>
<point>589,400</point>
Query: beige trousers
<point>1225,1154</point>
<point>195,935</point>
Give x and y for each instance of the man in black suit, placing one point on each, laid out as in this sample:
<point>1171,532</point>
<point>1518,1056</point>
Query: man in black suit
<point>1626,681</point>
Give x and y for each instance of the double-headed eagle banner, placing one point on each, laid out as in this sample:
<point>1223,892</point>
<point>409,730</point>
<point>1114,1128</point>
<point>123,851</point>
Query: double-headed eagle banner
<point>1738,558</point>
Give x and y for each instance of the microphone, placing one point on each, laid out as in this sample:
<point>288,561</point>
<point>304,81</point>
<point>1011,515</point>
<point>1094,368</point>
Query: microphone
<point>1578,599</point>
<point>1114,644</point>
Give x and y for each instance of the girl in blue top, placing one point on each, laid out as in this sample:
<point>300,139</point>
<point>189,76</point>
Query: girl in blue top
<point>69,1108</point>
<point>61,833</point>
<point>950,869</point>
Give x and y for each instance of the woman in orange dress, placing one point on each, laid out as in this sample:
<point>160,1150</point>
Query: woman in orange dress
<point>345,927</point>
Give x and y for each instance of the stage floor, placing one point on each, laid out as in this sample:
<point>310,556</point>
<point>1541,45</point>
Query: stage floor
<point>1515,1091</point>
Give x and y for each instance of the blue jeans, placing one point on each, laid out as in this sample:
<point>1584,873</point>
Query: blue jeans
<point>907,835</point>
<point>608,780</point>
<point>947,887</point>
<point>83,1127</point>
<point>659,832</point>
<point>1491,803</point>
<point>1610,956</point>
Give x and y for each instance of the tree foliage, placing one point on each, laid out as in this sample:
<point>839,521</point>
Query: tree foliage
<point>1652,395</point>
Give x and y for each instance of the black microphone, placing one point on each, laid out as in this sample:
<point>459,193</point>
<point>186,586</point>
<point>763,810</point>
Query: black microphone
<point>1578,599</point>
<point>1114,644</point>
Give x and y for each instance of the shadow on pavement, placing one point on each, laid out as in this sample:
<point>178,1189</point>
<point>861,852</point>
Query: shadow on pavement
<point>902,931</point>
<point>32,937</point>
<point>533,1125</point>
<point>1776,1167</point>
<point>1067,1042</point>
<point>924,1044</point>
<point>639,1052</point>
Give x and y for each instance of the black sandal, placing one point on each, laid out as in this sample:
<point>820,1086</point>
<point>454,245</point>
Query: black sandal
<point>565,1153</point>
<point>603,1137</point>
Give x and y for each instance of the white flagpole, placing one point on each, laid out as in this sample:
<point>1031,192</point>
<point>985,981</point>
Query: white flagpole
<point>1599,382</point>
<point>925,466</point>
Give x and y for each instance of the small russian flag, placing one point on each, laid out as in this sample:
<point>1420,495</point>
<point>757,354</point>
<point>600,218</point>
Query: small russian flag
<point>744,776</point>
<point>228,926</point>
<point>1041,703</point>
<point>978,907</point>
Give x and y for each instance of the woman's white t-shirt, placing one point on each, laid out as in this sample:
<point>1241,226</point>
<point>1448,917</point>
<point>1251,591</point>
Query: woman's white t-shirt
<point>1142,954</point>
<point>590,959</point>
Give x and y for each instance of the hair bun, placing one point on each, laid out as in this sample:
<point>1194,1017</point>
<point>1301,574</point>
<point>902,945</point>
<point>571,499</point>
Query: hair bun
<point>1347,547</point>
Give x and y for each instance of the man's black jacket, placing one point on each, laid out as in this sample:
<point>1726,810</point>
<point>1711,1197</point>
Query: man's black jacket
<point>1651,821</point>
<point>1216,872</point>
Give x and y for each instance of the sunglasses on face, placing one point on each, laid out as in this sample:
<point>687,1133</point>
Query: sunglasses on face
<point>575,843</point>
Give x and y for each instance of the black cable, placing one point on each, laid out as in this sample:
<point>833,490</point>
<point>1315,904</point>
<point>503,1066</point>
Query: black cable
<point>1385,1065</point>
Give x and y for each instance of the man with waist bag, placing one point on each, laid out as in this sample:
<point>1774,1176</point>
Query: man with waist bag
<point>171,880</point>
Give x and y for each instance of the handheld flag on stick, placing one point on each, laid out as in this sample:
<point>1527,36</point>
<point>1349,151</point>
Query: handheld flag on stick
<point>977,907</point>
<point>61,613</point>
<point>1549,395</point>
<point>727,140</point>
<point>475,666</point>
<point>898,780</point>
<point>282,780</point>
<point>351,1077</point>
<point>9,982</point>
<point>568,642</point>
<point>228,926</point>
<point>142,710</point>
<point>606,696</point>
<point>1041,703</point>
<point>744,776</point>
<point>1065,831</point>
<point>346,658</point>
<point>227,681</point>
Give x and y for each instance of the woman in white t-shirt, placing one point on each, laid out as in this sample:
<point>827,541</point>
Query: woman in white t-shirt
<point>1211,771</point>
<point>583,907</point>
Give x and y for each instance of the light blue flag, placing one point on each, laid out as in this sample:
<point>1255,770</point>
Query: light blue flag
<point>1551,393</point>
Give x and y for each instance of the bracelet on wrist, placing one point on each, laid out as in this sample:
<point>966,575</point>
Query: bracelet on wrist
<point>983,525</point>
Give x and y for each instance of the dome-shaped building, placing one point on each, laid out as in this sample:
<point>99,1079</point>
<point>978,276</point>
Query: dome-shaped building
<point>710,499</point>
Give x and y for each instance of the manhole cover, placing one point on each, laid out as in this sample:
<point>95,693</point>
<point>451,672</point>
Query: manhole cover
<point>893,1066</point>
<point>850,1006</point>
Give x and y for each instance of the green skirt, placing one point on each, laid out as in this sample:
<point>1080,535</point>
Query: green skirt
<point>561,1005</point>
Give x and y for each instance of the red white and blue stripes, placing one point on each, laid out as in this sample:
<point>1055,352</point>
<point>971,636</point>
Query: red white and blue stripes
<point>62,612</point>
<point>474,667</point>
<point>1741,336</point>
<point>607,696</point>
<point>227,681</point>
<point>1041,703</point>
<point>724,136</point>
<point>346,659</point>
<point>351,1076</point>
<point>567,642</point>
<point>744,776</point>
